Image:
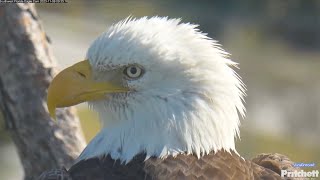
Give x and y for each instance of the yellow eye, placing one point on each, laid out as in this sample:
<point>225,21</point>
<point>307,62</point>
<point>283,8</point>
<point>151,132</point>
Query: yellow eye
<point>133,71</point>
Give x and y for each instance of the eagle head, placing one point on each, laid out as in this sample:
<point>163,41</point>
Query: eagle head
<point>161,87</point>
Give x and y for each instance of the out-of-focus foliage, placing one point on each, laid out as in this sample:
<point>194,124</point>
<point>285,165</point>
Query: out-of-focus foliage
<point>295,21</point>
<point>89,122</point>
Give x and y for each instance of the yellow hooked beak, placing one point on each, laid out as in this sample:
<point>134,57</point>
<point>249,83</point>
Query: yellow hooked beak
<point>75,85</point>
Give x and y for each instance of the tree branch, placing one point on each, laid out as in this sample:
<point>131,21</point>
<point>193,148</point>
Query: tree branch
<point>26,69</point>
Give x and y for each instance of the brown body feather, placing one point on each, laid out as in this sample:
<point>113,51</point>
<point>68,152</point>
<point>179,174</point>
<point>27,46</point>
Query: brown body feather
<point>221,165</point>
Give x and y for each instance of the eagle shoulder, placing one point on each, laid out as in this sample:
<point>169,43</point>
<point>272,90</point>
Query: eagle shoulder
<point>220,165</point>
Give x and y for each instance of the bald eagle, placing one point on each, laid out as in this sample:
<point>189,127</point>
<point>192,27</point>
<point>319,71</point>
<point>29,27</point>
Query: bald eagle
<point>169,102</point>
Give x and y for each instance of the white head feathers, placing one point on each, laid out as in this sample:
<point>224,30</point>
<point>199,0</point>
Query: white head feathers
<point>187,100</point>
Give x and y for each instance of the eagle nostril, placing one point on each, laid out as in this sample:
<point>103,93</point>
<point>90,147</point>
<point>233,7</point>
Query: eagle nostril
<point>81,74</point>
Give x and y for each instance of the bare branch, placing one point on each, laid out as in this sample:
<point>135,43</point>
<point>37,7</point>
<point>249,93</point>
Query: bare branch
<point>26,69</point>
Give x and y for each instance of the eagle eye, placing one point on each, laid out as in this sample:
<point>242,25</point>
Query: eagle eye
<point>133,71</point>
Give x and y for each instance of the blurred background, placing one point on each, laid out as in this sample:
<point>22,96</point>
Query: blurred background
<point>277,44</point>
